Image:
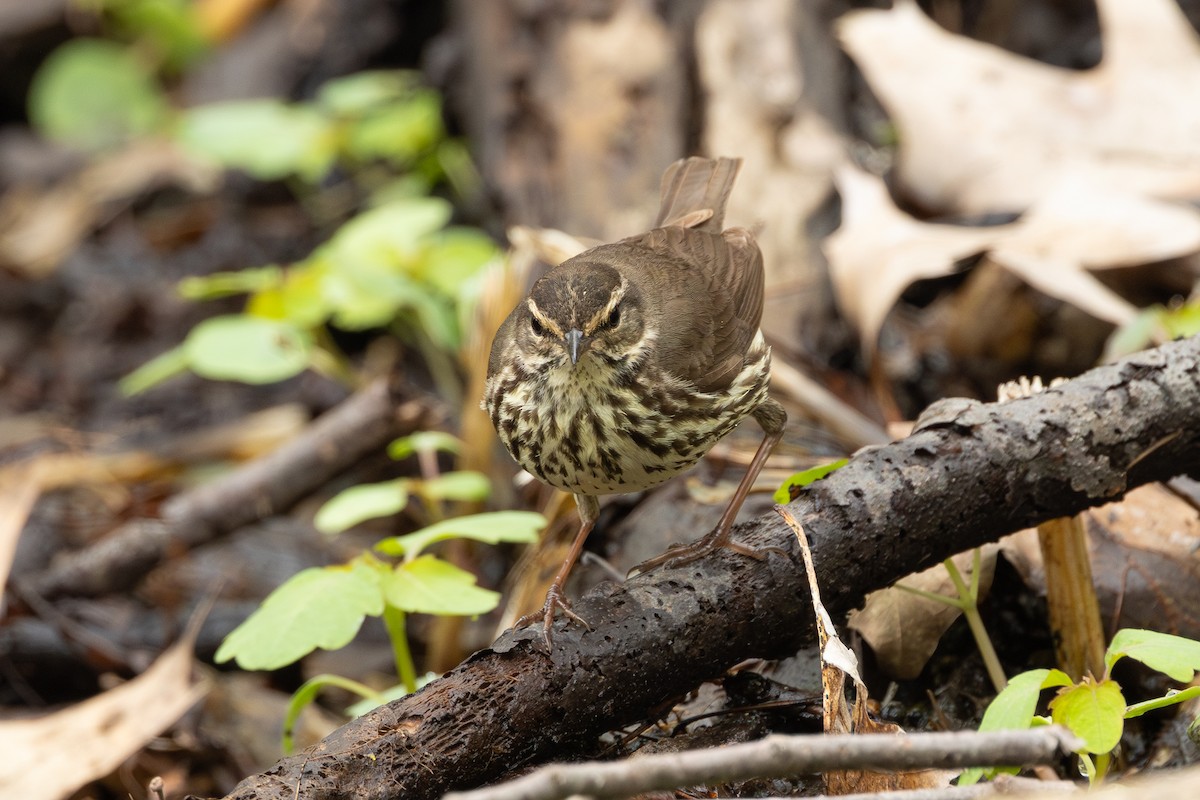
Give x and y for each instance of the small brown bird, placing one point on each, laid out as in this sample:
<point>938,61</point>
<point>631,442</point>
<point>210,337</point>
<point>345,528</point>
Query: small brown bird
<point>628,362</point>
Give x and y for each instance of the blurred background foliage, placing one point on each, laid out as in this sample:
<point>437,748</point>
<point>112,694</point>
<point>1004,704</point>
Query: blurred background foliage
<point>393,260</point>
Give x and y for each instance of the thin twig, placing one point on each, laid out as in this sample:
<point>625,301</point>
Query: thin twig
<point>267,485</point>
<point>782,756</point>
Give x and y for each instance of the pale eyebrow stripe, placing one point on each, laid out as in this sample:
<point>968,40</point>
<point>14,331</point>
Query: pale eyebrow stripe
<point>542,318</point>
<point>617,295</point>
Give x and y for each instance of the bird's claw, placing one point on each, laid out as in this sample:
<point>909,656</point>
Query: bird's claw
<point>554,600</point>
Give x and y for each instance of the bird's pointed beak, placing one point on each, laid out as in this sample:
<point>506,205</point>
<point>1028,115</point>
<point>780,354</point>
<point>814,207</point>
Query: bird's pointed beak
<point>574,339</point>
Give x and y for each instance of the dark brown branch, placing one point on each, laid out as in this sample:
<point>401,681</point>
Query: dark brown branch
<point>970,474</point>
<point>781,756</point>
<point>269,484</point>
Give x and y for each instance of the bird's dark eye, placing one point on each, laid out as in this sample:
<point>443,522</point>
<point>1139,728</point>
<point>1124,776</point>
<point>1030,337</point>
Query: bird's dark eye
<point>614,319</point>
<point>536,326</point>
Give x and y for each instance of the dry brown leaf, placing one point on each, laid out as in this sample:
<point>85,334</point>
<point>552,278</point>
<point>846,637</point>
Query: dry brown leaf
<point>879,250</point>
<point>1079,226</point>
<point>902,628</point>
<point>18,492</point>
<point>53,755</point>
<point>984,130</point>
<point>549,245</point>
<point>1075,227</point>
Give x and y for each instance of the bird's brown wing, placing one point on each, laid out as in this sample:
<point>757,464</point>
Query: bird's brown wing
<point>710,291</point>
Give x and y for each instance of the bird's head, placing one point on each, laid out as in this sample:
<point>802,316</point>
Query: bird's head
<point>580,311</point>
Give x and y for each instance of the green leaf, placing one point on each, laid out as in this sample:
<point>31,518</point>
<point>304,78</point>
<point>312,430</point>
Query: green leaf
<point>93,94</point>
<point>268,139</point>
<point>1134,335</point>
<point>1174,656</point>
<point>803,478</point>
<point>238,347</point>
<point>466,486</point>
<point>456,255</point>
<point>436,316</point>
<point>385,238</point>
<point>372,269</point>
<point>319,607</point>
<point>155,371</point>
<point>170,25</point>
<point>358,503</point>
<point>361,92</point>
<point>970,777</point>
<point>429,585</point>
<point>1013,709</point>
<point>424,442</point>
<point>1169,699</point>
<point>225,284</point>
<point>399,132</point>
<point>492,528</point>
<point>1183,320</point>
<point>1094,711</point>
<point>399,187</point>
<point>299,297</point>
<point>455,162</point>
<point>362,299</point>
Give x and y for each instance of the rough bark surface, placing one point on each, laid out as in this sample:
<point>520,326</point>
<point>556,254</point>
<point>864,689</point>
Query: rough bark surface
<point>969,474</point>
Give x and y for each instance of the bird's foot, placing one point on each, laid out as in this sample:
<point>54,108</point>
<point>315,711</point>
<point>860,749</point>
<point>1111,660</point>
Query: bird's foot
<point>555,599</point>
<point>681,555</point>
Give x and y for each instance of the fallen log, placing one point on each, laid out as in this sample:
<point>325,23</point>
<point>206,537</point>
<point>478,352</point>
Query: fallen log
<point>969,473</point>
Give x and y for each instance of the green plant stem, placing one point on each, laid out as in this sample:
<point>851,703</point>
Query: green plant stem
<point>967,603</point>
<point>394,620</point>
<point>1088,768</point>
<point>441,366</point>
<point>307,692</point>
<point>427,461</point>
<point>970,610</point>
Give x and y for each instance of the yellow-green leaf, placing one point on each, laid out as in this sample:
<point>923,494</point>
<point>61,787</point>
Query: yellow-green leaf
<point>424,442</point>
<point>430,585</point>
<point>466,485</point>
<point>1094,711</point>
<point>365,501</point>
<point>93,93</point>
<point>1013,709</point>
<point>1174,656</point>
<point>319,607</point>
<point>238,347</point>
<point>267,138</point>
<point>494,527</point>
<point>785,493</point>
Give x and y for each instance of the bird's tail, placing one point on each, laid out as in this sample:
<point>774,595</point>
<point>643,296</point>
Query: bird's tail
<point>695,191</point>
